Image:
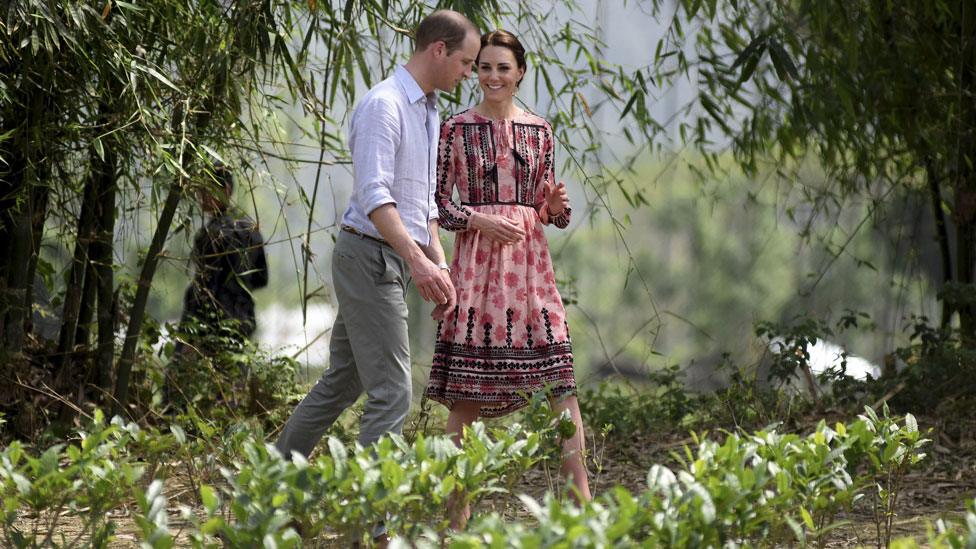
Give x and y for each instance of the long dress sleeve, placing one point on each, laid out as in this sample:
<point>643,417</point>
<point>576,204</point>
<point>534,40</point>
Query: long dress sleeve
<point>452,216</point>
<point>547,175</point>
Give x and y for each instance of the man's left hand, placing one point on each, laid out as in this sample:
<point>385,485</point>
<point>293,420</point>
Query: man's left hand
<point>434,284</point>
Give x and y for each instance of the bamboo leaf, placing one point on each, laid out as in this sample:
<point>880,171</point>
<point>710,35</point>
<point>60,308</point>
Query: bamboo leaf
<point>782,62</point>
<point>158,76</point>
<point>630,103</point>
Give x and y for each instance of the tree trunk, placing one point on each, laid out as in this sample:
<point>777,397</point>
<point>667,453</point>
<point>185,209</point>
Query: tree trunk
<point>964,275</point>
<point>13,237</point>
<point>77,282</point>
<point>40,196</point>
<point>138,310</point>
<point>87,310</point>
<point>24,201</point>
<point>101,254</point>
<point>965,196</point>
<point>942,235</point>
<point>11,183</point>
<point>22,260</point>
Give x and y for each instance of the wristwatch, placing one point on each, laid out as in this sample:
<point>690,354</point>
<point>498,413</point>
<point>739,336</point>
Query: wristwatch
<point>444,266</point>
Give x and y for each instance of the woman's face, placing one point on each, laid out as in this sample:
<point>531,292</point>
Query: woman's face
<point>498,73</point>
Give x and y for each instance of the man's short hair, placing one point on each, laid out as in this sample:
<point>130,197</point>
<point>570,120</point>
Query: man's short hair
<point>224,177</point>
<point>446,26</point>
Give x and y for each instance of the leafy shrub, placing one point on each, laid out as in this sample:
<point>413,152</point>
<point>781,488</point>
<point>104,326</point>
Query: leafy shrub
<point>939,374</point>
<point>764,488</point>
<point>888,451</point>
<point>960,534</point>
<point>630,410</point>
<point>220,373</point>
<point>85,479</point>
<point>404,485</point>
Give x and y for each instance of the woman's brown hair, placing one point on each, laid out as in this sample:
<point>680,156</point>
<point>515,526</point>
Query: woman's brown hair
<point>504,39</point>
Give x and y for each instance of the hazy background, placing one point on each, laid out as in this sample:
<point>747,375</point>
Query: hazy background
<point>679,280</point>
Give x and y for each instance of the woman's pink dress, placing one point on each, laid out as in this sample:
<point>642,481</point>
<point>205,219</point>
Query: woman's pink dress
<point>508,336</point>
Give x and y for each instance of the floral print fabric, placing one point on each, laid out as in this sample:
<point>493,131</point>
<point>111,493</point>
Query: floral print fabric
<point>508,337</point>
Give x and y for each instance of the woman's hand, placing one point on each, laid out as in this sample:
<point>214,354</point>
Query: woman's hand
<point>557,199</point>
<point>496,228</point>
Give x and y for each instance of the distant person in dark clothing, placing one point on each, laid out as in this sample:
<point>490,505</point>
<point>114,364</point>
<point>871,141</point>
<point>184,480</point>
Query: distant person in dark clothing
<point>229,261</point>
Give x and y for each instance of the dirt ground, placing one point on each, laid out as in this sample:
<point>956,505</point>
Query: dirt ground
<point>939,488</point>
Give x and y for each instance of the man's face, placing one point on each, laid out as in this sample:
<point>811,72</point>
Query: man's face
<point>212,198</point>
<point>457,65</point>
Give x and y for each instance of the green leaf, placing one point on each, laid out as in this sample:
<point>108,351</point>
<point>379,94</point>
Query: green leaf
<point>209,498</point>
<point>212,526</point>
<point>156,74</point>
<point>750,64</point>
<point>212,153</point>
<point>782,62</point>
<point>911,424</point>
<point>755,48</point>
<point>178,433</point>
<point>630,104</point>
<point>807,519</point>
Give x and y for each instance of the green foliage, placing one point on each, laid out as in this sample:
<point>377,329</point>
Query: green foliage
<point>940,371</point>
<point>629,409</point>
<point>802,75</point>
<point>855,86</point>
<point>216,371</point>
<point>404,485</point>
<point>152,518</point>
<point>84,479</point>
<point>610,522</point>
<point>748,489</point>
<point>779,488</point>
<point>763,489</point>
<point>891,451</point>
<point>958,535</point>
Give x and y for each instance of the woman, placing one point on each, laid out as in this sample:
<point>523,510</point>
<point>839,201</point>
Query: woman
<point>508,334</point>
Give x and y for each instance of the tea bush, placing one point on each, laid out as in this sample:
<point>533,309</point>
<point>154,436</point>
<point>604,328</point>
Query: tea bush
<point>764,488</point>
<point>84,479</point>
<point>407,486</point>
<point>219,372</point>
<point>959,534</point>
<point>629,410</point>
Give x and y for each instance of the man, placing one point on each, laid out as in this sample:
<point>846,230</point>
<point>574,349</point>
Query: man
<point>389,227</point>
<point>218,308</point>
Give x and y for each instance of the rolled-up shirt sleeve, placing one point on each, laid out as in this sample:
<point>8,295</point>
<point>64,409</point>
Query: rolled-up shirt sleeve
<point>374,140</point>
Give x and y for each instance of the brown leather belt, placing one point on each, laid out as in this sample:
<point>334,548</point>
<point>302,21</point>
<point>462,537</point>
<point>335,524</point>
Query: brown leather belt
<point>361,234</point>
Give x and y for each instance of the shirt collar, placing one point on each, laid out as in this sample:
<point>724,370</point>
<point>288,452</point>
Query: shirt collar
<point>410,86</point>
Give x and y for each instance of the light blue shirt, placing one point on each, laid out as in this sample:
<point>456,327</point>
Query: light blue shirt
<point>393,139</point>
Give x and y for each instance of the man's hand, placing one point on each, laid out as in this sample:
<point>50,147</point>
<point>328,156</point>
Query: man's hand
<point>433,283</point>
<point>496,228</point>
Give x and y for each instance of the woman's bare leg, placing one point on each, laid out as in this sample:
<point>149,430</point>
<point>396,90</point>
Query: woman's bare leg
<point>574,448</point>
<point>463,413</point>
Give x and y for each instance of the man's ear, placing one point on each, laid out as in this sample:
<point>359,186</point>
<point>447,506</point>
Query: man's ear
<point>439,49</point>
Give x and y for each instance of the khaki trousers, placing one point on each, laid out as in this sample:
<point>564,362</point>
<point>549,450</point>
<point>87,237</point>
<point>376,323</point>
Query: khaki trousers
<point>369,350</point>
